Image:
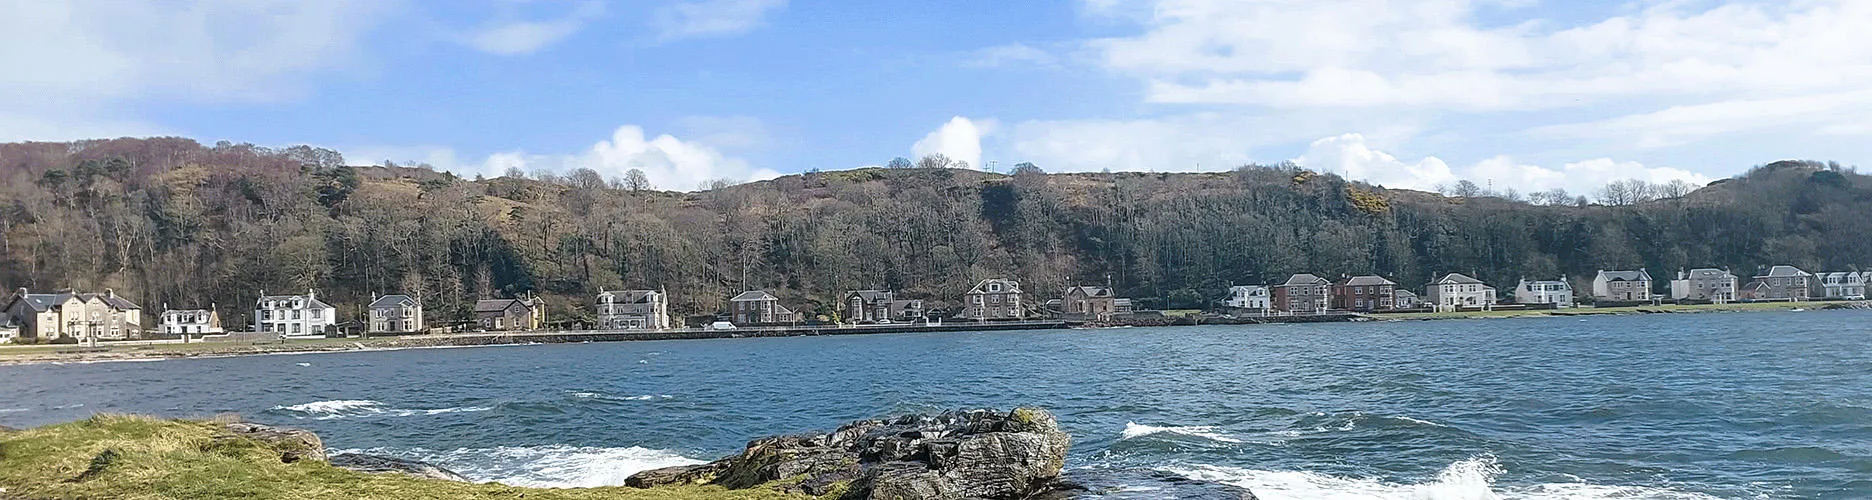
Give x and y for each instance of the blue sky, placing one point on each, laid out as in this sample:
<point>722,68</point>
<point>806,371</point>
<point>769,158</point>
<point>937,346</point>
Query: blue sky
<point>1525,94</point>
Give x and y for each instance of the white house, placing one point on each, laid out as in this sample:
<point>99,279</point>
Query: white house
<point>633,310</point>
<point>1253,297</point>
<point>294,315</point>
<point>1844,285</point>
<point>1557,292</point>
<point>1622,286</point>
<point>1715,286</point>
<point>178,322</point>
<point>1455,291</point>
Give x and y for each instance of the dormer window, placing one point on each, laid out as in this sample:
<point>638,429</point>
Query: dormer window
<point>994,287</point>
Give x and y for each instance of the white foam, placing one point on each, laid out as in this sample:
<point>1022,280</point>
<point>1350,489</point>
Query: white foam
<point>14,410</point>
<point>1134,430</point>
<point>1470,479</point>
<point>600,395</point>
<point>556,466</point>
<point>346,408</point>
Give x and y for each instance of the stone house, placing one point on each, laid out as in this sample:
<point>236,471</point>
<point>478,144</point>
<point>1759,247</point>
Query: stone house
<point>294,315</point>
<point>875,306</point>
<point>1091,303</point>
<point>633,310</point>
<point>395,314</point>
<point>994,299</point>
<point>1365,294</point>
<point>1715,286</point>
<point>82,316</point>
<point>1559,293</point>
<point>1622,286</point>
<point>1850,285</point>
<point>1302,294</point>
<point>526,313</point>
<point>1781,283</point>
<point>756,307</point>
<point>1252,297</point>
<point>179,322</point>
<point>1456,291</point>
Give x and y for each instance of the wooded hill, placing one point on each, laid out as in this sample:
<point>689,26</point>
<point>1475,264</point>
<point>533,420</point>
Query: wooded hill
<point>168,220</point>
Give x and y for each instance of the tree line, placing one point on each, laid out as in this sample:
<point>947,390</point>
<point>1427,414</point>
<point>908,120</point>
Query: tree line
<point>169,220</point>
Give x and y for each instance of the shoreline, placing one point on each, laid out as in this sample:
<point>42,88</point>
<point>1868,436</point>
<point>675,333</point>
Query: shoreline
<point>64,354</point>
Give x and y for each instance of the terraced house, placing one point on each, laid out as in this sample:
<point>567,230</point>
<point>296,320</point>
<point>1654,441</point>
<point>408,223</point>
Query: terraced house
<point>82,316</point>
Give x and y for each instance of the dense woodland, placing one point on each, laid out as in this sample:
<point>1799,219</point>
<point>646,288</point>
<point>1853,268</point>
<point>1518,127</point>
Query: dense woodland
<point>171,221</point>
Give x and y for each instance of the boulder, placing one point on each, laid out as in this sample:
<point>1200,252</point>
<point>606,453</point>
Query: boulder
<point>976,454</point>
<point>294,444</point>
<point>376,464</point>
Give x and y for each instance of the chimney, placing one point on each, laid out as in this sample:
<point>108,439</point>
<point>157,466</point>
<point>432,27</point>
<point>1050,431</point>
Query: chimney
<point>110,293</point>
<point>22,292</point>
<point>311,294</point>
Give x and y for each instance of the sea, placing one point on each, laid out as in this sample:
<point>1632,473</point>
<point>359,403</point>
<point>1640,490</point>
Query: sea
<point>1667,406</point>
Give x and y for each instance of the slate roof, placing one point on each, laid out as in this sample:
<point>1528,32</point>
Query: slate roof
<point>496,305</point>
<point>313,303</point>
<point>1008,286</point>
<point>1305,279</point>
<point>629,296</point>
<point>1708,273</point>
<point>1459,279</point>
<point>1368,280</point>
<point>40,302</point>
<point>1639,275</point>
<point>753,295</point>
<point>871,295</point>
<point>1785,272</point>
<point>392,301</point>
<point>1092,291</point>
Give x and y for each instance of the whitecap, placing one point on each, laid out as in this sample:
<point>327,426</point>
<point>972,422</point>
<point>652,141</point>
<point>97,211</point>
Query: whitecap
<point>303,364</point>
<point>1134,430</point>
<point>554,466</point>
<point>14,410</point>
<point>347,408</point>
<point>1469,479</point>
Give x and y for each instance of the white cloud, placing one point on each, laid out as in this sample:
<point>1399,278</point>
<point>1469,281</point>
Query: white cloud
<point>1014,54</point>
<point>526,37</point>
<point>710,18</point>
<point>959,139</point>
<point>72,67</point>
<point>669,162</point>
<point>1186,143</point>
<point>1350,156</point>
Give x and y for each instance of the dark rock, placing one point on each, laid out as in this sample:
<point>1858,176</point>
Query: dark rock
<point>294,444</point>
<point>977,454</point>
<point>375,464</point>
<point>1132,484</point>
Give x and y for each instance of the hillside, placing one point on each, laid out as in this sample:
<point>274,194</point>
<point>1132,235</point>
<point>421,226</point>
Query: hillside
<point>168,220</point>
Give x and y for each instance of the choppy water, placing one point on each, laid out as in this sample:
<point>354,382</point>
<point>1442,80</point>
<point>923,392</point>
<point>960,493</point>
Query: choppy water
<point>1770,405</point>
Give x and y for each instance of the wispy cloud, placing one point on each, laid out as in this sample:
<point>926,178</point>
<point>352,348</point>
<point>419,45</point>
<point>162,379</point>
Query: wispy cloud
<point>713,18</point>
<point>525,37</point>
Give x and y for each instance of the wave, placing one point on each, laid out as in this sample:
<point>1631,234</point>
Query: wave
<point>600,395</point>
<point>1469,479</point>
<point>347,408</point>
<point>556,466</point>
<point>1135,430</point>
<point>14,410</point>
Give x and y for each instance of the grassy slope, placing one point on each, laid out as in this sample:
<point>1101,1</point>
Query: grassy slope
<point>164,459</point>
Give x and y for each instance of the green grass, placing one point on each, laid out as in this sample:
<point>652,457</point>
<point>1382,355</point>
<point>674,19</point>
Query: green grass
<point>51,352</point>
<point>1588,311</point>
<point>176,459</point>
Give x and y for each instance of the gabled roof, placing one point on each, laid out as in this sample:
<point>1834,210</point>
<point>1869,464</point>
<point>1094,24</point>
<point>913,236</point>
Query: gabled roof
<point>1305,279</point>
<point>1639,275</point>
<point>1008,286</point>
<point>753,295</point>
<point>871,295</point>
<point>393,301</point>
<point>1091,291</point>
<point>1457,279</point>
<point>1405,293</point>
<point>1367,280</point>
<point>40,302</point>
<point>1785,272</point>
<point>497,305</point>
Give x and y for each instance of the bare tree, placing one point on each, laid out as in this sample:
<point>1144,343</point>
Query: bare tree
<point>1466,189</point>
<point>635,180</point>
<point>935,160</point>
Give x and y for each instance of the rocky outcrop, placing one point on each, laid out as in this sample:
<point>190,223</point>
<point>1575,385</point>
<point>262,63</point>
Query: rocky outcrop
<point>294,444</point>
<point>979,454</point>
<point>376,464</point>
